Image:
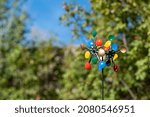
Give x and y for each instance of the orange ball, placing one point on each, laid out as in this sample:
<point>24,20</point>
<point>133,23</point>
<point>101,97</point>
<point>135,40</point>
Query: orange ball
<point>106,48</point>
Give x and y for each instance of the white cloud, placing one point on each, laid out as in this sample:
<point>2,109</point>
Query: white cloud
<point>39,34</point>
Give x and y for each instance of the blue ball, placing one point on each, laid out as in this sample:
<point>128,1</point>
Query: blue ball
<point>90,44</point>
<point>114,46</point>
<point>101,65</point>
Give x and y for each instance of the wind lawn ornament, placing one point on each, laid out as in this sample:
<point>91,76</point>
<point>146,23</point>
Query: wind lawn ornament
<point>103,55</point>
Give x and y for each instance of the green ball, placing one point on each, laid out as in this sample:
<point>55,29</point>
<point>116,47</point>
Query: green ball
<point>94,33</point>
<point>111,37</point>
<point>94,60</point>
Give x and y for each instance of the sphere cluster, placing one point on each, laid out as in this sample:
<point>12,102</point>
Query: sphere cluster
<point>102,54</point>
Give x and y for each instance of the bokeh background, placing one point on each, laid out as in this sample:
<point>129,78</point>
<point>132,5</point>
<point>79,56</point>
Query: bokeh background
<point>41,58</point>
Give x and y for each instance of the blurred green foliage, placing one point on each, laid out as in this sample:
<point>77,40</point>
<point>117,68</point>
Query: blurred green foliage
<point>44,71</point>
<point>27,71</point>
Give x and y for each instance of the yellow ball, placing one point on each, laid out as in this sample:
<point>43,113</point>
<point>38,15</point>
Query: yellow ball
<point>87,54</point>
<point>115,57</point>
<point>107,44</point>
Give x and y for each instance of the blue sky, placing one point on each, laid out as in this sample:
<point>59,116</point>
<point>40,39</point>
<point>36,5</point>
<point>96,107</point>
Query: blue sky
<point>45,17</point>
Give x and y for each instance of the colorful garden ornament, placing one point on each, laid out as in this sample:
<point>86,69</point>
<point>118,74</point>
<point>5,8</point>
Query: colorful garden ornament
<point>103,55</point>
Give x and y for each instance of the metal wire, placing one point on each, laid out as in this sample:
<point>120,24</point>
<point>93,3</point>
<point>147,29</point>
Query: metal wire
<point>102,88</point>
<point>102,84</point>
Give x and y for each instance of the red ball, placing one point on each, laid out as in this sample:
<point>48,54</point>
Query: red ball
<point>115,68</point>
<point>87,66</point>
<point>98,42</point>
